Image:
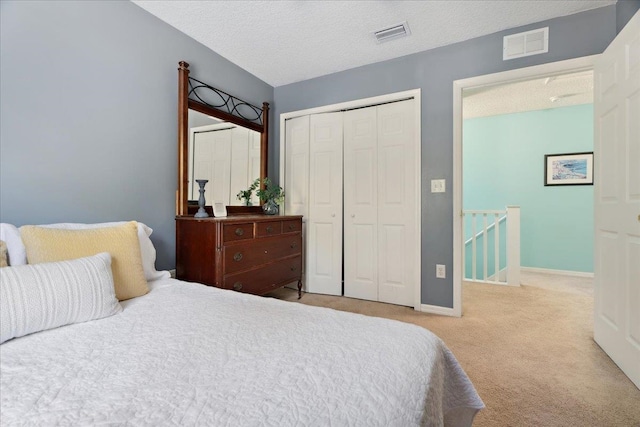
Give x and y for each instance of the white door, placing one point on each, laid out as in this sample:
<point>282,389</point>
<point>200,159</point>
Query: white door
<point>202,162</point>
<point>239,164</point>
<point>212,161</point>
<point>617,200</point>
<point>296,179</point>
<point>254,163</point>
<point>219,186</point>
<point>324,228</point>
<point>361,204</point>
<point>397,198</point>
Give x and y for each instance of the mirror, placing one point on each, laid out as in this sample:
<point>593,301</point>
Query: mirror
<point>226,153</point>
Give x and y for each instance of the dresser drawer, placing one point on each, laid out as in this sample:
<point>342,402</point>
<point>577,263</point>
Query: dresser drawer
<point>238,257</point>
<point>264,279</point>
<point>271,228</point>
<point>232,232</point>
<point>291,226</point>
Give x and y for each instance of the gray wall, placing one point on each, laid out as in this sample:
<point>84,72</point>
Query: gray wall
<point>88,113</point>
<point>433,72</point>
<point>625,9</point>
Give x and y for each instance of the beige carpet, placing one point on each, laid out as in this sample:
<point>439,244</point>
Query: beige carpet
<point>529,352</point>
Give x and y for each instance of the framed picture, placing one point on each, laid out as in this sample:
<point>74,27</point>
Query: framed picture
<point>568,169</point>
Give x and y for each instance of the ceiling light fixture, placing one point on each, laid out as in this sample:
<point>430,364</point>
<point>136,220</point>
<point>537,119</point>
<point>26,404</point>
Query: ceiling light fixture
<point>393,32</point>
<point>566,95</point>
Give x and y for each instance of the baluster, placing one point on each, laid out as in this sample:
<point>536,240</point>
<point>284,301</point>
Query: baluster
<point>485,236</point>
<point>474,254</point>
<point>496,246</point>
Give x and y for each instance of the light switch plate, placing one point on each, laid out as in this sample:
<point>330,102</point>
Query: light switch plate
<point>438,185</point>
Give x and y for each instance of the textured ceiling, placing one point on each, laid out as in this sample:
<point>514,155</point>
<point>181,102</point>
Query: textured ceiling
<point>539,94</point>
<point>282,42</point>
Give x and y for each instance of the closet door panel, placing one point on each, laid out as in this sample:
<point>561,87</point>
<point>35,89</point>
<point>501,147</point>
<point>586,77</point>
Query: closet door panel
<point>296,182</point>
<point>254,164</point>
<point>324,246</point>
<point>219,188</point>
<point>202,162</point>
<point>239,164</point>
<point>360,204</point>
<point>212,161</point>
<point>296,179</point>
<point>397,184</point>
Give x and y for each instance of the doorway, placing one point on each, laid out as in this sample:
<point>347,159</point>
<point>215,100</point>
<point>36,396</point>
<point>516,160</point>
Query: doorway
<point>523,74</point>
<point>511,211</point>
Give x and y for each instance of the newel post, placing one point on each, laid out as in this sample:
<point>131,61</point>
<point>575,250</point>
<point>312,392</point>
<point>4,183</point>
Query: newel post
<point>513,245</point>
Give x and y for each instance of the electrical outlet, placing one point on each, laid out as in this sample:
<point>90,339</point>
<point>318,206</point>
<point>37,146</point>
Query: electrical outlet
<point>438,185</point>
<point>441,271</point>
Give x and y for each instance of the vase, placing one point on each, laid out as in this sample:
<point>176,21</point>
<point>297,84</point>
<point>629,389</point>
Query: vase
<point>202,213</point>
<point>270,207</point>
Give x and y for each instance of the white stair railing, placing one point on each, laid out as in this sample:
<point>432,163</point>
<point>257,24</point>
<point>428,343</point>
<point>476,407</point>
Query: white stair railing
<point>491,220</point>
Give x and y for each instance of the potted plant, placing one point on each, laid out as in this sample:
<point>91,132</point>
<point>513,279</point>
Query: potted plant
<point>246,194</point>
<point>270,194</point>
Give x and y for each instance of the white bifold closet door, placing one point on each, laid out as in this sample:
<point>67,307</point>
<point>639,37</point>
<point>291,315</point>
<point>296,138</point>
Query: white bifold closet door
<point>380,180</point>
<point>230,159</point>
<point>212,161</point>
<point>324,225</point>
<point>353,176</point>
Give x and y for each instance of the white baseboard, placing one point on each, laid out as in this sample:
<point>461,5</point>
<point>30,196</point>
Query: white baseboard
<point>434,309</point>
<point>559,272</point>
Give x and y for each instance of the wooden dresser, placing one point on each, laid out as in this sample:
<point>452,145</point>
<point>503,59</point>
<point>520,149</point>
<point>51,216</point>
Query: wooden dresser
<point>246,253</point>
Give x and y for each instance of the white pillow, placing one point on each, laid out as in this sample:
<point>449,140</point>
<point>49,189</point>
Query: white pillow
<point>148,251</point>
<point>43,296</point>
<point>10,234</point>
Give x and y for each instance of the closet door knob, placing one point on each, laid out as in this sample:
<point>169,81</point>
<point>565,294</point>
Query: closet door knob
<point>353,215</point>
<point>333,215</point>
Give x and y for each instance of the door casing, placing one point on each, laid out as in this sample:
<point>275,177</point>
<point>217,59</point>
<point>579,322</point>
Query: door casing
<point>553,68</point>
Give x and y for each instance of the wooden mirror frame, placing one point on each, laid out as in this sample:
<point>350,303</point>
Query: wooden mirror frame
<point>186,102</point>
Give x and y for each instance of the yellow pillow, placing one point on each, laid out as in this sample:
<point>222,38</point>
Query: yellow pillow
<point>55,244</point>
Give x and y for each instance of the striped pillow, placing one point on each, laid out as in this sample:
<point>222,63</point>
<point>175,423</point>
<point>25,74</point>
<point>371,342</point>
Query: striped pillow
<point>44,296</point>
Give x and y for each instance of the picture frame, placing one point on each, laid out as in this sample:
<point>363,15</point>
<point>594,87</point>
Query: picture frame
<point>568,169</point>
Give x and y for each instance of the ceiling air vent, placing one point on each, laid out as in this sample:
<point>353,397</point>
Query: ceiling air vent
<point>526,44</point>
<point>394,32</point>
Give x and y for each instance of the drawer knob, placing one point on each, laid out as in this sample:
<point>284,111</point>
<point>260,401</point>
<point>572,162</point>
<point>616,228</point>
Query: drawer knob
<point>269,229</point>
<point>237,256</point>
<point>294,268</point>
<point>239,231</point>
<point>291,226</point>
<point>237,286</point>
<point>293,245</point>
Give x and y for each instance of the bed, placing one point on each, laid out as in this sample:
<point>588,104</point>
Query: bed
<point>188,354</point>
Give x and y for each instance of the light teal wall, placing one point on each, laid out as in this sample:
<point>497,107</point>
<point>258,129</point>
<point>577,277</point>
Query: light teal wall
<point>503,159</point>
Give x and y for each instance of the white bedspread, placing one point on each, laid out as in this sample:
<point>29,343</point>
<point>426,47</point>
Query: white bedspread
<point>186,354</point>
